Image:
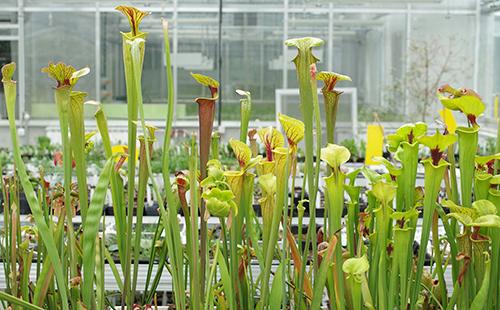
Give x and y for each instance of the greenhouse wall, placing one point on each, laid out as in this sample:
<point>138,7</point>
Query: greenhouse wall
<point>397,53</point>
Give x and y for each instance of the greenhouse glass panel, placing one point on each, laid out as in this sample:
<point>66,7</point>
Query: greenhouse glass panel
<point>435,58</point>
<point>55,37</point>
<point>197,52</point>
<point>112,86</point>
<point>251,60</point>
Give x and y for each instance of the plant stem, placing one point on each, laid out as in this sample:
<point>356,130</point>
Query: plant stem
<point>453,174</point>
<point>433,177</point>
<point>117,195</point>
<point>438,256</point>
<point>467,148</point>
<point>194,250</point>
<point>409,162</point>
<point>43,228</point>
<point>141,193</point>
<point>171,224</point>
<point>62,98</point>
<point>132,112</point>
<point>331,101</point>
<point>77,142</point>
<point>335,204</point>
<point>308,95</point>
<point>282,175</point>
<point>16,301</point>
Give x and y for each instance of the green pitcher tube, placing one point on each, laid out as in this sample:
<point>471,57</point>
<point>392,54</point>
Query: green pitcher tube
<point>467,148</point>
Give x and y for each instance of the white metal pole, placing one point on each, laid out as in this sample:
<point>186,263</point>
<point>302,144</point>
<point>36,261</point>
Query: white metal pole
<point>407,58</point>
<point>476,44</point>
<point>285,48</point>
<point>330,37</point>
<point>175,39</point>
<point>21,60</point>
<point>97,53</point>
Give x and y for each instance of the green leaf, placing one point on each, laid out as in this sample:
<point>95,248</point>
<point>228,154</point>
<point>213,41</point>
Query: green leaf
<point>482,213</point>
<point>267,184</point>
<point>242,152</point>
<point>43,228</point>
<point>331,78</point>
<point>219,202</point>
<point>438,141</point>
<point>335,155</point>
<point>243,93</point>
<point>495,180</point>
<point>356,267</point>
<point>215,174</point>
<point>205,80</point>
<point>8,72</point>
<point>281,154</point>
<point>453,206</point>
<point>409,133</point>
<point>491,220</point>
<point>135,17</point>
<point>328,76</point>
<point>75,76</point>
<point>277,288</point>
<point>456,209</point>
<point>304,44</point>
<point>91,228</point>
<point>405,215</point>
<point>481,298</point>
<point>225,277</point>
<point>319,281</point>
<point>60,72</point>
<point>483,176</point>
<point>371,175</point>
<point>463,218</point>
<point>18,302</point>
<point>470,105</point>
<point>483,160</point>
<point>484,207</point>
<point>384,192</point>
<point>351,176</point>
<point>271,137</point>
<point>245,111</point>
<point>294,128</point>
<point>393,170</point>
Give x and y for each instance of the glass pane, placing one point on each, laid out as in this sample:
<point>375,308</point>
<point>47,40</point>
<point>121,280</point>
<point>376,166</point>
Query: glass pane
<point>252,49</point>
<point>197,52</point>
<point>113,89</point>
<point>448,5</point>
<point>349,4</point>
<point>55,37</point>
<point>8,3</point>
<point>307,25</point>
<point>440,58</point>
<point>303,25</point>
<point>489,63</point>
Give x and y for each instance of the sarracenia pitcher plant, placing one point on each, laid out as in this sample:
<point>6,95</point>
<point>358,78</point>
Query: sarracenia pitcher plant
<point>230,232</point>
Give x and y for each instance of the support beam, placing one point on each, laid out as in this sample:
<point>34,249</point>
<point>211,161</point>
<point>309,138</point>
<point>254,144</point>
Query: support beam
<point>285,48</point>
<point>330,36</point>
<point>97,55</point>
<point>476,45</point>
<point>21,61</point>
